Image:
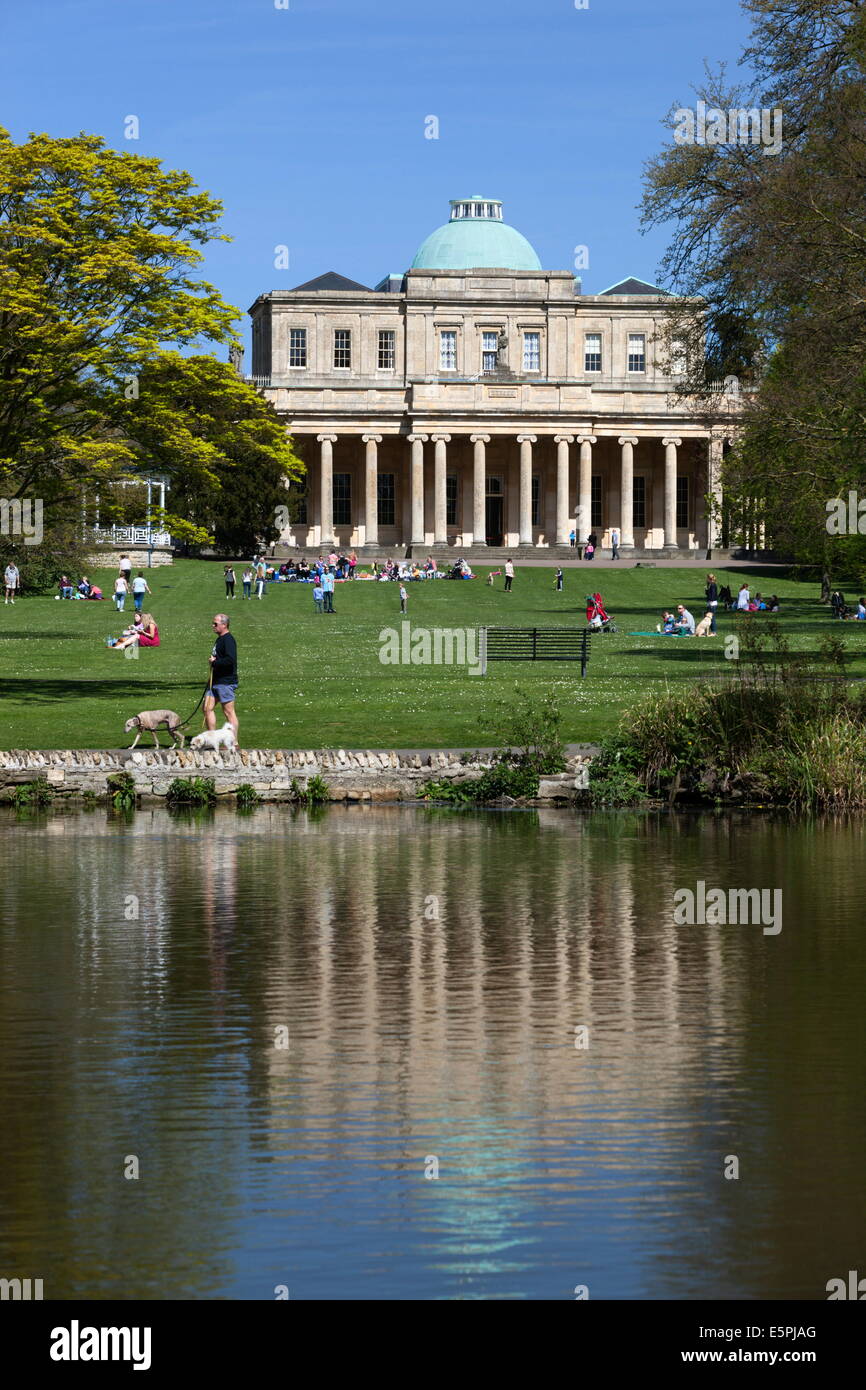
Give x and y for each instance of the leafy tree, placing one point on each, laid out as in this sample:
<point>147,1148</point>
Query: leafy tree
<point>221,444</point>
<point>97,250</point>
<point>769,252</point>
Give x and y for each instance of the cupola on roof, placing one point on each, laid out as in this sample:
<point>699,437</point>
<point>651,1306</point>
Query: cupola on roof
<point>475,238</point>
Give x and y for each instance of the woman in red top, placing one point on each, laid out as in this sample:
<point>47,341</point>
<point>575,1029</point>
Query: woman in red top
<point>149,635</point>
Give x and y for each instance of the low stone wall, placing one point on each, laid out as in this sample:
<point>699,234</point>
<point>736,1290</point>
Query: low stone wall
<point>350,776</point>
<point>107,557</point>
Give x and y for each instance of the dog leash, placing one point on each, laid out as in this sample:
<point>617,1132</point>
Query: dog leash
<point>183,723</point>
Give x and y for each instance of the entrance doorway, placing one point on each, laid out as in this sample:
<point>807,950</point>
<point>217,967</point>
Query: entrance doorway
<point>493,512</point>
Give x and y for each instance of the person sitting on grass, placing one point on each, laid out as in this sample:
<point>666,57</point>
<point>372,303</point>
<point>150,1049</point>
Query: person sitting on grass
<point>667,624</point>
<point>66,590</point>
<point>84,587</point>
<point>686,623</point>
<point>130,635</point>
<point>149,636</point>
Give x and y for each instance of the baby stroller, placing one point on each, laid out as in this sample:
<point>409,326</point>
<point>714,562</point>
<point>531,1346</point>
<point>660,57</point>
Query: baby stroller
<point>596,616</point>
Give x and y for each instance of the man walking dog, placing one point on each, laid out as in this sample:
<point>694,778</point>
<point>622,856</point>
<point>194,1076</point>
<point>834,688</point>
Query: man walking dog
<point>224,676</point>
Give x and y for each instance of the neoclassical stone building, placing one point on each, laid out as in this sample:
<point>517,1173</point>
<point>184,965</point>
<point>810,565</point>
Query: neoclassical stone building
<point>479,400</point>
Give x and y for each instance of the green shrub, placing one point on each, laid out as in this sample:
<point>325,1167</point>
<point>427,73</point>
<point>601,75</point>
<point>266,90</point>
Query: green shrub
<point>247,795</point>
<point>191,791</point>
<point>121,789</point>
<point>315,793</point>
<point>782,730</point>
<point>614,775</point>
<point>29,794</point>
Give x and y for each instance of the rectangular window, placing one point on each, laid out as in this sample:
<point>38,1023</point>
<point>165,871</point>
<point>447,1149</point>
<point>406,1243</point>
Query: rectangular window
<point>595,501</point>
<point>342,499</point>
<point>639,502</point>
<point>678,357</point>
<point>536,501</point>
<point>342,347</point>
<point>637,352</point>
<point>489,351</point>
<point>451,500</point>
<point>592,353</point>
<point>386,507</point>
<point>297,347</point>
<point>683,503</point>
<point>532,352</point>
<point>448,350</point>
<point>387,349</point>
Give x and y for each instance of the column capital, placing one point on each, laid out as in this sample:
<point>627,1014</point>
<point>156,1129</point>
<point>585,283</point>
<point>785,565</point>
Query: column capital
<point>563,439</point>
<point>672,440</point>
<point>628,439</point>
<point>371,438</point>
<point>444,438</point>
<point>587,439</point>
<point>326,438</point>
<point>527,438</point>
<point>479,438</point>
<point>417,438</point>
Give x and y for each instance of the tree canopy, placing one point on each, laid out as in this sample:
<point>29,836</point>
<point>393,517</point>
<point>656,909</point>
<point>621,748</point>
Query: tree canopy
<point>99,296</point>
<point>773,241</point>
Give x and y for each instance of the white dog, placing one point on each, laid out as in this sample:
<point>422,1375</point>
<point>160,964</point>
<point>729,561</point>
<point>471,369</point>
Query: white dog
<point>215,739</point>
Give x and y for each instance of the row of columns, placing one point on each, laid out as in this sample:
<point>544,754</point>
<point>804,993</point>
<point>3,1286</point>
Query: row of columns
<point>479,488</point>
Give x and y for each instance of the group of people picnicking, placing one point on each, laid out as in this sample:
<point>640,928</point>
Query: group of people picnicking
<point>682,623</point>
<point>846,612</point>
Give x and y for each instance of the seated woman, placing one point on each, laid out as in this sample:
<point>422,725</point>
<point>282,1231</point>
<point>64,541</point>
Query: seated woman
<point>130,636</point>
<point>84,587</point>
<point>66,590</point>
<point>149,635</point>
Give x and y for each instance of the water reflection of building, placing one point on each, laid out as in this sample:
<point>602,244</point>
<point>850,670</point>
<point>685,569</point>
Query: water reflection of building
<point>431,969</point>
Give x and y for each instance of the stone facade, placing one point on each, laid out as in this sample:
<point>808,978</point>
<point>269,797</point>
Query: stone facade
<point>485,407</point>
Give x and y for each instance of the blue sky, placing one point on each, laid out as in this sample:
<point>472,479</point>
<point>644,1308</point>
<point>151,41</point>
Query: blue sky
<point>308,122</point>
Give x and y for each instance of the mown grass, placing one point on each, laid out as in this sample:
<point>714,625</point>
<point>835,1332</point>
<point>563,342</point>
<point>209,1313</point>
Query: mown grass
<point>312,680</point>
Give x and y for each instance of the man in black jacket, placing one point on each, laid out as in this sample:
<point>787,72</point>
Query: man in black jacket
<point>224,676</point>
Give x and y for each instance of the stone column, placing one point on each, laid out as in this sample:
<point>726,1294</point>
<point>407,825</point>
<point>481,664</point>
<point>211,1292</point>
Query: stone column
<point>716,447</point>
<point>371,489</point>
<point>440,504</point>
<point>626,493</point>
<point>670,446</point>
<point>479,489</point>
<point>417,488</point>
<point>562,480</point>
<point>526,442</point>
<point>584,489</point>
<point>326,488</point>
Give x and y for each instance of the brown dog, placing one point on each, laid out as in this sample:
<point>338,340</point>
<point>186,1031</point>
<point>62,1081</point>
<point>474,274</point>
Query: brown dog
<point>152,719</point>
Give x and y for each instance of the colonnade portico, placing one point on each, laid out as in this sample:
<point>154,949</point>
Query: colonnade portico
<point>545,488</point>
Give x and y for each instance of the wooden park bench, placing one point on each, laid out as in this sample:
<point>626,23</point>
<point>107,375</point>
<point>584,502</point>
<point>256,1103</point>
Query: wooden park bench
<point>534,644</point>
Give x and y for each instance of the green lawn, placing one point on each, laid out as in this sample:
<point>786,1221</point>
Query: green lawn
<point>312,681</point>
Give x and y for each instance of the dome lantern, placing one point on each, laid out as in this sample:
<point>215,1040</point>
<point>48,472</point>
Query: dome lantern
<point>476,238</point>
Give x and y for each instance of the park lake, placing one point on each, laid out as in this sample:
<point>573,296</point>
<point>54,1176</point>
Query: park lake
<point>414,1052</point>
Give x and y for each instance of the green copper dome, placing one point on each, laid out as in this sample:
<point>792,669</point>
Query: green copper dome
<point>475,238</point>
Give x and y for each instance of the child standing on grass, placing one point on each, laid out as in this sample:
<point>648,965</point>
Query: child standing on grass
<point>318,595</point>
<point>404,599</point>
<point>559,581</point>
